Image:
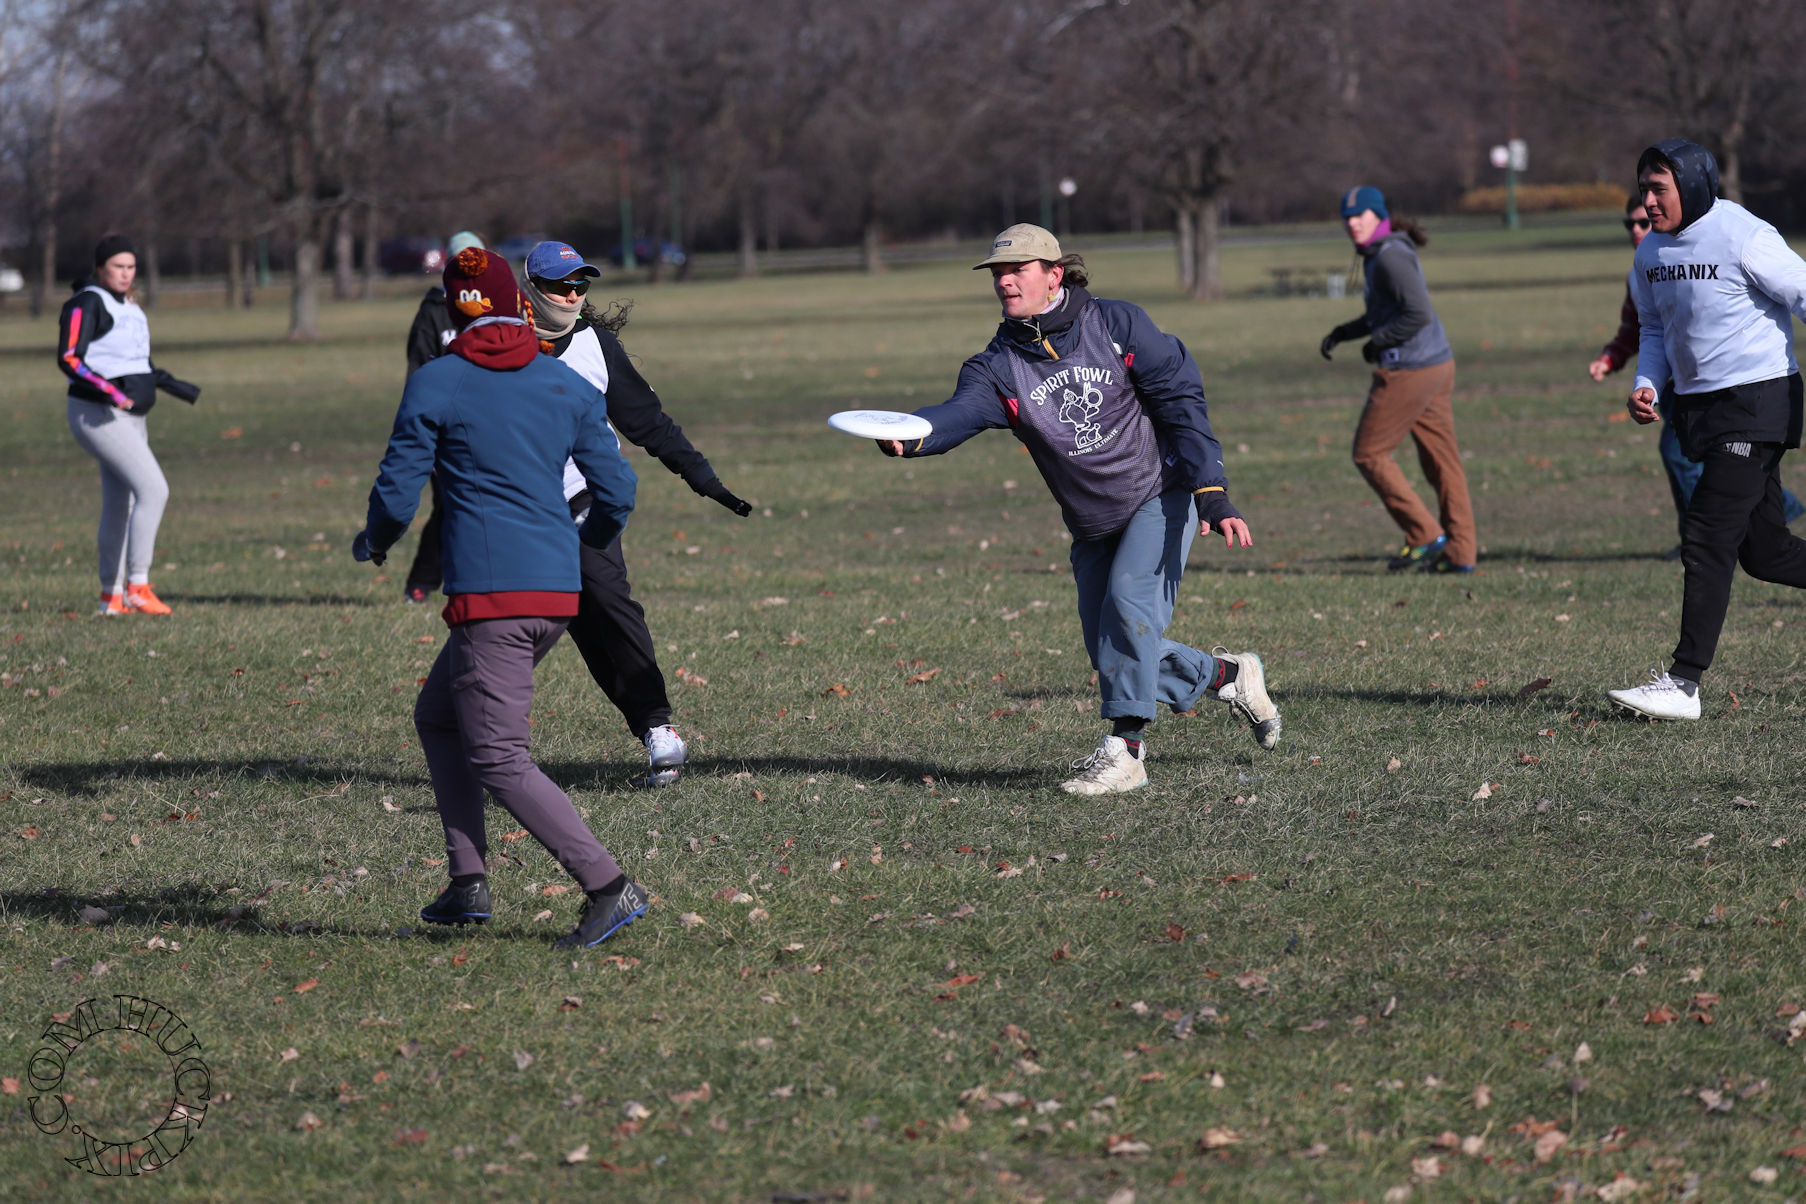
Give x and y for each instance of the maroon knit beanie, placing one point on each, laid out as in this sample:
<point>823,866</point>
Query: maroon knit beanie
<point>480,284</point>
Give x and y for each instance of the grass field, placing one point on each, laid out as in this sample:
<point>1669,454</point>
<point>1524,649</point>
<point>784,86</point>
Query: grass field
<point>1442,924</point>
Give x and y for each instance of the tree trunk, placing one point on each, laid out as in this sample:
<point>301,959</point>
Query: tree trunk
<point>235,271</point>
<point>749,237</point>
<point>1187,233</point>
<point>304,276</point>
<point>53,193</point>
<point>370,252</point>
<point>872,246</point>
<point>343,244</point>
<point>1206,214</point>
<point>150,274</point>
<point>770,213</point>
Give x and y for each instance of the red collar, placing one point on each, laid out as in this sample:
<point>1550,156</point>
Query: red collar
<point>499,346</point>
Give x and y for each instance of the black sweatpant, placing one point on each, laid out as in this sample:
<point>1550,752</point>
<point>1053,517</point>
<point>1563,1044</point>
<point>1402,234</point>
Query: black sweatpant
<point>426,572</point>
<point>610,632</point>
<point>1736,517</point>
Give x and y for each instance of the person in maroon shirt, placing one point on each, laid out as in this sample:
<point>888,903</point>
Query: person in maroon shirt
<point>1682,473</point>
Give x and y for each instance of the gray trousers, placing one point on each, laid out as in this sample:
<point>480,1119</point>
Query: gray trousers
<point>472,719</point>
<point>132,490</point>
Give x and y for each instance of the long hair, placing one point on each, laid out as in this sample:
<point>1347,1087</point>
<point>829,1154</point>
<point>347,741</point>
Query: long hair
<point>1415,232</point>
<point>611,319</point>
<point>1075,270</point>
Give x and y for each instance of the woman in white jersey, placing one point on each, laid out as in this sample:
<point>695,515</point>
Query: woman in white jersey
<point>103,347</point>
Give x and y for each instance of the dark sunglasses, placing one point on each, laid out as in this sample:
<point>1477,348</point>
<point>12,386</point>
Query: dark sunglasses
<point>1636,223</point>
<point>579,286</point>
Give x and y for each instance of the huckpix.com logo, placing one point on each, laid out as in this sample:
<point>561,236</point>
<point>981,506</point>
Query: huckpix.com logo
<point>121,1081</point>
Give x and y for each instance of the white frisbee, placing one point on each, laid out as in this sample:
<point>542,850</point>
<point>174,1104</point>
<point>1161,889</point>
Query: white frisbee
<point>881,424</point>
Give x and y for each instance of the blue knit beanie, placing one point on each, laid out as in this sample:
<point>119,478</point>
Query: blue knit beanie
<point>1358,200</point>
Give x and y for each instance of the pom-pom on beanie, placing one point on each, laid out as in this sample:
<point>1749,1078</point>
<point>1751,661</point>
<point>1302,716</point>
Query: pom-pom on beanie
<point>480,284</point>
<point>111,245</point>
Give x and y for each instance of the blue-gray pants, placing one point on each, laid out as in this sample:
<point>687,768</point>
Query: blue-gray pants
<point>472,720</point>
<point>132,490</point>
<point>1127,585</point>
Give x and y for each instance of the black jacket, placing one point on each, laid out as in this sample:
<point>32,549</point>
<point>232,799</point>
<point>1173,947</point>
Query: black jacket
<point>85,319</point>
<point>634,411</point>
<point>427,336</point>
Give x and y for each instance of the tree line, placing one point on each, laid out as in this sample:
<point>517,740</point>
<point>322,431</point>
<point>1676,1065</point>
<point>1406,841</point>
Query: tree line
<point>207,128</point>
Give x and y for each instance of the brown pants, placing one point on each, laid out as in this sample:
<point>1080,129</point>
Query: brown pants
<point>1416,401</point>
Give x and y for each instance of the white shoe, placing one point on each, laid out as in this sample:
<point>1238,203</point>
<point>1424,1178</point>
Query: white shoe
<point>1661,697</point>
<point>1112,769</point>
<point>1247,695</point>
<point>666,750</point>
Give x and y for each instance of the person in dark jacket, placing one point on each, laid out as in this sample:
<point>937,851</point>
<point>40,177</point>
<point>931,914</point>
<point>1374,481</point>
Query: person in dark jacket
<point>1112,411</point>
<point>610,627</point>
<point>427,340</point>
<point>1682,473</point>
<point>103,347</point>
<point>1412,391</point>
<point>497,421</point>
<point>1716,289</point>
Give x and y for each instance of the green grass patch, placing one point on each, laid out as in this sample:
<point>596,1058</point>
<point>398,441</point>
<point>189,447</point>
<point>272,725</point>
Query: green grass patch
<point>1285,975</point>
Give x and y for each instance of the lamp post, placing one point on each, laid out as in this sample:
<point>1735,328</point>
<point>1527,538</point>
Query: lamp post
<point>1068,186</point>
<point>1511,158</point>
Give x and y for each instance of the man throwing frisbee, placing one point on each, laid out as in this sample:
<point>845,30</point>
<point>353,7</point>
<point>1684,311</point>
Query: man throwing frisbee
<point>1112,411</point>
<point>1715,287</point>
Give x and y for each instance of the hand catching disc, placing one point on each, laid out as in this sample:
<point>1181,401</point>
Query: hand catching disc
<point>881,424</point>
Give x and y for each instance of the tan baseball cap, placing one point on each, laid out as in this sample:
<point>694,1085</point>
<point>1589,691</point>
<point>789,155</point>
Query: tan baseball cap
<point>1021,243</point>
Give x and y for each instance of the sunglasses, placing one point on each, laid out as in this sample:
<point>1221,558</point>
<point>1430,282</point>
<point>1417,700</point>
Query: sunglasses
<point>1636,223</point>
<point>578,286</point>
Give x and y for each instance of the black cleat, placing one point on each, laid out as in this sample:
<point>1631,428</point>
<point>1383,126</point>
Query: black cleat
<point>605,915</point>
<point>459,905</point>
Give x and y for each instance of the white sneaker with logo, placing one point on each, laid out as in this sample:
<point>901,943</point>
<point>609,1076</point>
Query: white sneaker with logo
<point>1112,769</point>
<point>1661,697</point>
<point>1247,696</point>
<point>666,750</point>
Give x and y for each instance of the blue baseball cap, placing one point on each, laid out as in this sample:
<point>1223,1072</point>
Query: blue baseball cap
<point>557,261</point>
<point>1360,200</point>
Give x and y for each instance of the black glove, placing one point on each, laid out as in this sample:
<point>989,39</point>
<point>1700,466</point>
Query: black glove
<point>1369,352</point>
<point>181,390</point>
<point>1215,508</point>
<point>362,551</point>
<point>715,491</point>
<point>1328,344</point>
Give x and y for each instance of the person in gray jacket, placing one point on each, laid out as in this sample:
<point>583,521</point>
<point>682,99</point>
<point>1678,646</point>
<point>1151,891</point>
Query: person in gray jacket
<point>1412,390</point>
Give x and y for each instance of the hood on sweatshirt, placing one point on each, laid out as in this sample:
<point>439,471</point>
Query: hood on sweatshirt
<point>1695,175</point>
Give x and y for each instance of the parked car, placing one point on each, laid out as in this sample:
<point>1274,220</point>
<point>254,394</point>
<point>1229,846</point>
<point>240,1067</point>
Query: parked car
<point>515,249</point>
<point>411,256</point>
<point>670,252</point>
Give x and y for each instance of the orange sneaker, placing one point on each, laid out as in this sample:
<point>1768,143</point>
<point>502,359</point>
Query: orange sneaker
<point>141,599</point>
<point>112,604</point>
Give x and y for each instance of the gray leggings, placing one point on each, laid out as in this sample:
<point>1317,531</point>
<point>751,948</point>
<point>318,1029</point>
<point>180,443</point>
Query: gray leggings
<point>132,490</point>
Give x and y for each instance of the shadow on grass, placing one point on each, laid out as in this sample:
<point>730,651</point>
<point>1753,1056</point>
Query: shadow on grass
<point>275,599</point>
<point>876,769</point>
<point>193,904</point>
<point>91,778</point>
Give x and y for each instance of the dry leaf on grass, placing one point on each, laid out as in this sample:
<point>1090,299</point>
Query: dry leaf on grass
<point>306,985</point>
<point>1661,1015</point>
<point>1216,1139</point>
<point>1547,1145</point>
<point>1482,1097</point>
<point>700,1095</point>
<point>634,1110</point>
<point>1124,1145</point>
<point>288,1055</point>
<point>580,1154</point>
<point>522,1059</point>
<point>308,1123</point>
<point>689,919</point>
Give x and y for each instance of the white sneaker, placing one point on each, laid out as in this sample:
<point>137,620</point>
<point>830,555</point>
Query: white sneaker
<point>1112,769</point>
<point>1661,697</point>
<point>666,750</point>
<point>1247,695</point>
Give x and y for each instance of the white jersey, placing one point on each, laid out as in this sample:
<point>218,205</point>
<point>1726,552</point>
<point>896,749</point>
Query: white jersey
<point>584,354</point>
<point>123,350</point>
<point>1713,303</point>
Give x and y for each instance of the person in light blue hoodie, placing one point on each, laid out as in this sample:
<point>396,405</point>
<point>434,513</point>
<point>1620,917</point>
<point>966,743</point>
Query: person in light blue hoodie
<point>1715,288</point>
